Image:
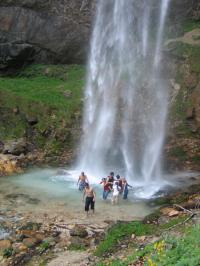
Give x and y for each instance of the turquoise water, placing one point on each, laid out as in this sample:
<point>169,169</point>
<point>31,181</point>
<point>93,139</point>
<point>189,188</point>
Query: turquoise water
<point>54,190</point>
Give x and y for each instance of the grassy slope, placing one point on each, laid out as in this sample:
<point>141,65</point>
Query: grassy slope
<point>182,249</point>
<point>38,91</point>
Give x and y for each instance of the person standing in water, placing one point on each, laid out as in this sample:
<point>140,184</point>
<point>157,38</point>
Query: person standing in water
<point>82,181</point>
<point>110,179</point>
<point>119,181</point>
<point>125,188</point>
<point>90,198</point>
<point>115,196</point>
<point>106,188</point>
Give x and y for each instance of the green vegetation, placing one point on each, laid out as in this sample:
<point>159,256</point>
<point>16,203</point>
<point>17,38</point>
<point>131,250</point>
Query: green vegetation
<point>77,247</point>
<point>122,231</point>
<point>186,75</point>
<point>172,222</point>
<point>179,251</point>
<point>169,250</point>
<point>196,159</point>
<point>44,246</point>
<point>189,51</point>
<point>155,215</point>
<point>165,201</point>
<point>36,89</point>
<point>190,25</point>
<point>119,232</point>
<point>52,94</point>
<point>8,252</point>
<point>179,153</point>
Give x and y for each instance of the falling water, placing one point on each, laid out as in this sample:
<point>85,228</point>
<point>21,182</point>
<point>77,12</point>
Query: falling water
<point>125,96</point>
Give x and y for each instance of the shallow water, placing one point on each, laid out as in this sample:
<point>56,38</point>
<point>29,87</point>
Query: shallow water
<point>54,193</point>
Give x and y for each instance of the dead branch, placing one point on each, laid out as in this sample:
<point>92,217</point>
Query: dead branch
<point>182,208</point>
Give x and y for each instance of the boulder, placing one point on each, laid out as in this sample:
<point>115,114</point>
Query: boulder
<point>30,242</point>
<point>78,231</point>
<point>170,212</point>
<point>44,31</point>
<point>59,31</point>
<point>8,165</point>
<point>15,147</point>
<point>173,213</point>
<point>19,247</point>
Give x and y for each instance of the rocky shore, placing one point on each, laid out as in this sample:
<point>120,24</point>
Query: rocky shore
<point>16,156</point>
<point>53,239</point>
<point>23,240</point>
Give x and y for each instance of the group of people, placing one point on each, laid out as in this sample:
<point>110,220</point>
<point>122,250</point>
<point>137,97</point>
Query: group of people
<point>114,185</point>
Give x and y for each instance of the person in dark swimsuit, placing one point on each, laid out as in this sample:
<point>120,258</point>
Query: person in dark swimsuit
<point>110,179</point>
<point>89,199</point>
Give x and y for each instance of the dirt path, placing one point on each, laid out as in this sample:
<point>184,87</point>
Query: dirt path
<point>192,38</point>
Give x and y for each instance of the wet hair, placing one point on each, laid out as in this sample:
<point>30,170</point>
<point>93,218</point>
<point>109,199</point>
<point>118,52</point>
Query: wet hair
<point>82,173</point>
<point>86,184</point>
<point>118,176</point>
<point>112,173</point>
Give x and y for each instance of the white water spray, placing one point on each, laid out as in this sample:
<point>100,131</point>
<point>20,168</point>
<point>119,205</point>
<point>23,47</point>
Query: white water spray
<point>126,98</point>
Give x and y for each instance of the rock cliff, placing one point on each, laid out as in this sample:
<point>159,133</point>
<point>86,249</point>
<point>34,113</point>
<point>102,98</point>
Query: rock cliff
<point>52,31</point>
<point>47,31</point>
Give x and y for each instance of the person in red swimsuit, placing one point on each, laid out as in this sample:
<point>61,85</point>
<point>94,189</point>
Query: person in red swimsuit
<point>106,188</point>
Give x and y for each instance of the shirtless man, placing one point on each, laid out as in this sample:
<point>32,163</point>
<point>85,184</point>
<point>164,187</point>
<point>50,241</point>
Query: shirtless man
<point>90,198</point>
<point>82,181</point>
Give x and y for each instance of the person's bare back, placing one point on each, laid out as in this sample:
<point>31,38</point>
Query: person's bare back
<point>82,180</point>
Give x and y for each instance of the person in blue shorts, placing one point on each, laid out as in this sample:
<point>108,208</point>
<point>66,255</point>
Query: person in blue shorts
<point>125,186</point>
<point>82,181</point>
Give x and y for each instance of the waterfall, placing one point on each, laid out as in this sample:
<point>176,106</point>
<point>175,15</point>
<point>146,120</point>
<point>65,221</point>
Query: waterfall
<point>125,95</point>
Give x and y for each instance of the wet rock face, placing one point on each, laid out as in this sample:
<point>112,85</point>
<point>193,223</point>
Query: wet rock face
<point>44,31</point>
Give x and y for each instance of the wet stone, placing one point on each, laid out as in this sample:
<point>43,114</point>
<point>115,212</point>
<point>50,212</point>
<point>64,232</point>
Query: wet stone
<point>31,226</point>
<point>19,247</point>
<point>79,231</point>
<point>30,242</point>
<point>15,198</point>
<point>50,240</point>
<point>4,233</point>
<point>33,201</point>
